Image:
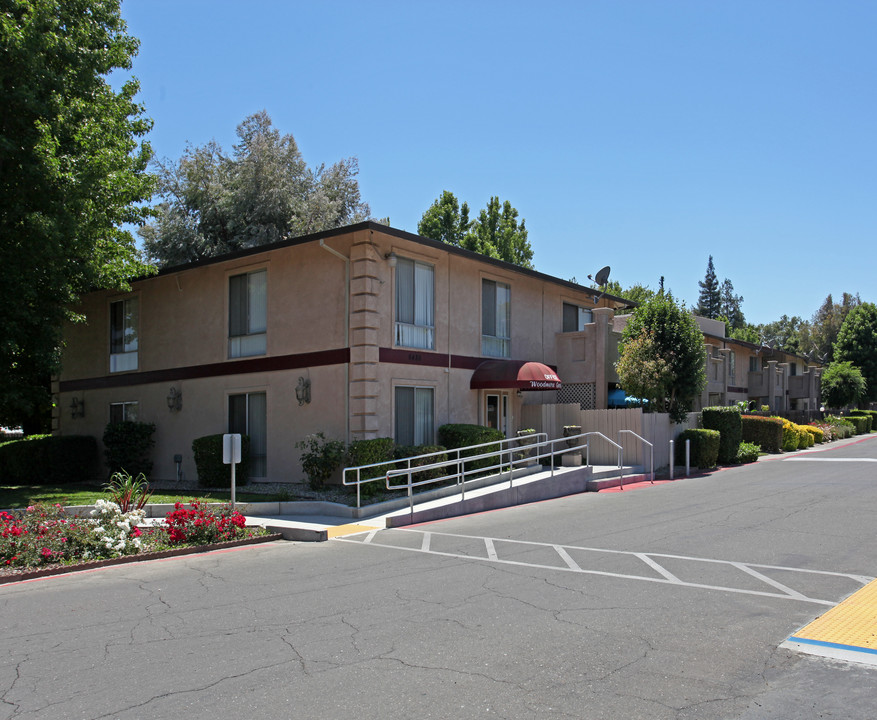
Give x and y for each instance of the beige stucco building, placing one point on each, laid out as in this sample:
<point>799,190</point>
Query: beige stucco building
<point>359,332</point>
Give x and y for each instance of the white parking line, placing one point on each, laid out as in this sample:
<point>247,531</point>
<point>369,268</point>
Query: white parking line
<point>804,458</point>
<point>783,591</point>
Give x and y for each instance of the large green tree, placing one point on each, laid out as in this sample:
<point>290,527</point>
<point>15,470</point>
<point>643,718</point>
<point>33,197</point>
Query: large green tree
<point>662,357</point>
<point>857,343</point>
<point>842,385</point>
<point>73,173</point>
<point>826,323</point>
<point>495,232</point>
<point>214,202</point>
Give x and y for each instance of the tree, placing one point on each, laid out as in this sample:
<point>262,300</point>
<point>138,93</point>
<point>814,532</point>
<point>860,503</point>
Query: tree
<point>784,334</point>
<point>73,172</point>
<point>446,220</point>
<point>709,302</point>
<point>214,203</point>
<point>826,322</point>
<point>857,343</point>
<point>731,306</point>
<point>638,293</point>
<point>747,333</point>
<point>842,384</point>
<point>662,357</point>
<point>494,233</point>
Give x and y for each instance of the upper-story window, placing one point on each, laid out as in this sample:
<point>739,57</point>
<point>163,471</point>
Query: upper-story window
<point>754,365</point>
<point>415,304</point>
<point>124,322</point>
<point>247,314</point>
<point>575,318</point>
<point>496,302</point>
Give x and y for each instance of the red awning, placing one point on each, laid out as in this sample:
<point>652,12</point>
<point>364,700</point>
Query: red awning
<point>514,374</point>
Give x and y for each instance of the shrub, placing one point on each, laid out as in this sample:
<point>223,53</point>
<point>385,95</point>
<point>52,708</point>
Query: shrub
<point>407,451</point>
<point>200,524</point>
<point>727,421</point>
<point>795,437</point>
<point>841,426</point>
<point>127,447</point>
<point>747,452</point>
<point>49,459</point>
<point>212,472</point>
<point>828,433</point>
<point>817,433</point>
<point>368,452</point>
<point>458,435</point>
<point>704,447</point>
<point>320,458</point>
<point>766,432</point>
<point>129,493</point>
<point>863,422</point>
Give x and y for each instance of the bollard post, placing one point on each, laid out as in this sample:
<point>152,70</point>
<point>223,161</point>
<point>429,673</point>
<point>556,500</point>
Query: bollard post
<point>672,459</point>
<point>687,458</point>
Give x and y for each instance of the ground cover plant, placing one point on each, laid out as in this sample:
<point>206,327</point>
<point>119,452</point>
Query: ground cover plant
<point>45,535</point>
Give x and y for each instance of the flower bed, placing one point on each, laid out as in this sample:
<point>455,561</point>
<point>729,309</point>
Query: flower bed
<point>44,536</point>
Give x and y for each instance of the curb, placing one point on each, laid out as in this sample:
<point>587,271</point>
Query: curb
<point>140,557</point>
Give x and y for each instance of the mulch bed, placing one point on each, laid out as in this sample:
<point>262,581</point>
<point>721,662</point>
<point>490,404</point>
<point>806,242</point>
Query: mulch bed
<point>12,574</point>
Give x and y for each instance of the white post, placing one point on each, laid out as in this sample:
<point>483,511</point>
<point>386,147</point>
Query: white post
<point>231,455</point>
<point>672,459</point>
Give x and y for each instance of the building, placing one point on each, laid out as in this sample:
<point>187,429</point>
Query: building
<point>360,332</point>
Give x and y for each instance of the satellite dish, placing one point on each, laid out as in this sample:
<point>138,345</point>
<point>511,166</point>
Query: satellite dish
<point>602,277</point>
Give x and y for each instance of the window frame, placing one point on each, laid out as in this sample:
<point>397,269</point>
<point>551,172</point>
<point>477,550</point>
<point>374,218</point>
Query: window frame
<point>259,455</point>
<point>427,434</point>
<point>251,342</point>
<point>125,405</point>
<point>580,310</point>
<point>122,356</point>
<point>492,343</point>
<point>405,334</point>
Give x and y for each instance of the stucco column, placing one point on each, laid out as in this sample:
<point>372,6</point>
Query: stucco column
<point>726,368</point>
<point>602,317</point>
<point>784,392</point>
<point>364,349</point>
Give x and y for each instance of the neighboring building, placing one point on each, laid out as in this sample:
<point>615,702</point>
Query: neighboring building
<point>359,332</point>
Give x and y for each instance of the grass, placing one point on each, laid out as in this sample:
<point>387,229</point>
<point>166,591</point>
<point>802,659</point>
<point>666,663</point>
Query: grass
<point>20,496</point>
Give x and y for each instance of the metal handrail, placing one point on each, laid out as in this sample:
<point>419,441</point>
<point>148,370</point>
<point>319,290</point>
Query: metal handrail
<point>506,445</point>
<point>587,446</point>
<point>651,453</point>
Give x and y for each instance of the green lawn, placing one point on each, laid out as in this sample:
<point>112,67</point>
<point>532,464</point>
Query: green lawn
<point>20,496</point>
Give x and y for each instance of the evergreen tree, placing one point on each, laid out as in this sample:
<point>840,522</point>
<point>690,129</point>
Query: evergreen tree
<point>731,306</point>
<point>709,302</point>
<point>494,233</point>
<point>857,343</point>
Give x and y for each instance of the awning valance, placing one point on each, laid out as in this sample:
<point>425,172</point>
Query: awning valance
<point>515,375</point>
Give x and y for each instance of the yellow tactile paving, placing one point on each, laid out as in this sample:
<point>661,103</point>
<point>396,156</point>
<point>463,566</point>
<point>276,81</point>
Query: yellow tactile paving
<point>852,623</point>
<point>340,530</point>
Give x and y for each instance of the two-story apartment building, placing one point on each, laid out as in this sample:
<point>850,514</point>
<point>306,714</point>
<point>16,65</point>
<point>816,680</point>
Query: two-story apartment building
<point>364,331</point>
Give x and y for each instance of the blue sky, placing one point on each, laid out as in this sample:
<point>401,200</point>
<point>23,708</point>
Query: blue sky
<point>643,135</point>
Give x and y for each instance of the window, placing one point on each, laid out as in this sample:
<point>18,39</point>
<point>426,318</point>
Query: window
<point>247,311</point>
<point>732,366</point>
<point>124,321</point>
<point>415,304</point>
<point>793,368</point>
<point>753,364</point>
<point>414,416</point>
<point>575,318</point>
<point>123,412</point>
<point>495,319</point>
<point>247,415</point>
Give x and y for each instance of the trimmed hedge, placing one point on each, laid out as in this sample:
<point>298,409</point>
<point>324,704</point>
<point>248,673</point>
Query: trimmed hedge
<point>863,421</point>
<point>747,453</point>
<point>212,472</point>
<point>817,433</point>
<point>457,435</point>
<point>766,432</point>
<point>704,447</point>
<point>727,421</point>
<point>49,460</point>
<point>796,437</point>
<point>128,446</point>
<point>375,450</point>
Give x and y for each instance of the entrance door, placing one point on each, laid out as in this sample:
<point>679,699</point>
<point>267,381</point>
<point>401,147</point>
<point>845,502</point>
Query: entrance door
<point>496,411</point>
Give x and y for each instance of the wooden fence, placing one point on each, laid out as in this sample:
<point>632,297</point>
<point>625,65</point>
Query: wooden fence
<point>654,427</point>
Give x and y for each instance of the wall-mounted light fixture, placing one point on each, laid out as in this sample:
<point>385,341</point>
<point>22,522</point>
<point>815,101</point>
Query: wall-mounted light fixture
<point>77,408</point>
<point>175,400</point>
<point>391,259</point>
<point>303,391</point>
